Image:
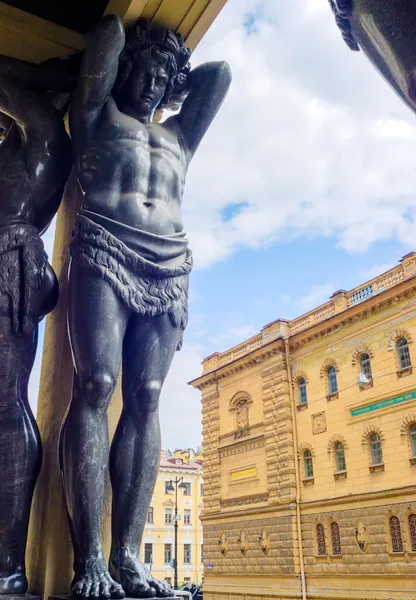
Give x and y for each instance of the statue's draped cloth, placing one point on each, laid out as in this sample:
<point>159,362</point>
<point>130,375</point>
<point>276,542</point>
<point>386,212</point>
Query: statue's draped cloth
<point>148,272</point>
<point>23,263</point>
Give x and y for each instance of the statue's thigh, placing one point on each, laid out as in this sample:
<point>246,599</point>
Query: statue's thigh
<point>97,320</point>
<point>149,347</point>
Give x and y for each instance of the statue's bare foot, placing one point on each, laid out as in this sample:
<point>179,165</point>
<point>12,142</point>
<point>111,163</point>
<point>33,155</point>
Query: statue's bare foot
<point>92,580</point>
<point>136,580</point>
<point>13,581</point>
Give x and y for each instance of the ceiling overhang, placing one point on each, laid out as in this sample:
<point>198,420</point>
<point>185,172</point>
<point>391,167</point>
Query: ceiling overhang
<point>38,29</point>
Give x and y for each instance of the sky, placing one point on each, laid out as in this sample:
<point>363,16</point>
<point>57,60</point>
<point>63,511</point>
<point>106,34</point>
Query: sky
<point>304,184</point>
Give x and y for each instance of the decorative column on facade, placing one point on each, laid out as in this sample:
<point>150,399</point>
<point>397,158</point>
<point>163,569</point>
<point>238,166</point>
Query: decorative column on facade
<point>210,436</point>
<point>278,426</point>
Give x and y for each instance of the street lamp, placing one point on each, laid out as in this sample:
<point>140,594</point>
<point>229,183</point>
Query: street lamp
<point>173,487</point>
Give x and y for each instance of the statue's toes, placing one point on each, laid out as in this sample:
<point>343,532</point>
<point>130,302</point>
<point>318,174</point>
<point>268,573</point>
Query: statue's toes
<point>116,591</point>
<point>104,590</point>
<point>86,588</point>
<point>143,591</point>
<point>77,589</point>
<point>162,589</point>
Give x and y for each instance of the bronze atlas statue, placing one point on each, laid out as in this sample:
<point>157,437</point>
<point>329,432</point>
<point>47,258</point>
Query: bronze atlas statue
<point>35,158</point>
<point>128,281</point>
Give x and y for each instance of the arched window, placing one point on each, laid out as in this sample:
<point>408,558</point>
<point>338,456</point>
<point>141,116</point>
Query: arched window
<point>341,465</point>
<point>412,435</point>
<point>365,366</point>
<point>396,535</point>
<point>308,464</point>
<point>336,539</point>
<point>320,539</point>
<point>412,531</point>
<point>376,449</point>
<point>403,354</point>
<point>303,398</point>
<point>332,380</point>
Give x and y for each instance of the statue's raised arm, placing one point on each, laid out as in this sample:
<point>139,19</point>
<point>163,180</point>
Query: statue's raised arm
<point>98,73</point>
<point>205,88</point>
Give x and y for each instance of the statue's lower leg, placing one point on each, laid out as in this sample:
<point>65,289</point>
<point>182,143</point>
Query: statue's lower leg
<point>20,456</point>
<point>134,466</point>
<point>83,457</point>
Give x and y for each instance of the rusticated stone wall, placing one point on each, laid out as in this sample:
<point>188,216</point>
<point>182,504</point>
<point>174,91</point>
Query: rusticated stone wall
<point>369,527</point>
<point>280,556</point>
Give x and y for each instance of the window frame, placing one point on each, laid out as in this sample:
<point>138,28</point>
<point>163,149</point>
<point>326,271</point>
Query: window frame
<point>149,562</point>
<point>412,439</point>
<point>187,512</point>
<point>374,451</point>
<point>365,366</point>
<point>320,540</point>
<point>308,464</point>
<point>167,548</point>
<point>403,354</point>
<point>187,548</point>
<point>399,539</point>
<point>188,490</point>
<point>337,458</point>
<point>169,512</point>
<point>302,391</point>
<point>336,539</point>
<point>151,512</point>
<point>332,379</point>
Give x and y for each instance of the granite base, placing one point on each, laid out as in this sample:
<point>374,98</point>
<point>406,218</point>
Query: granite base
<point>19,597</point>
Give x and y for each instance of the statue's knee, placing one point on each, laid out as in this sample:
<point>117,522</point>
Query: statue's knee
<point>97,389</point>
<point>146,399</point>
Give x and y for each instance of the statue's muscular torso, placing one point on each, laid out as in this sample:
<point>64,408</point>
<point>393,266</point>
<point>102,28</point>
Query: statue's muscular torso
<point>133,172</point>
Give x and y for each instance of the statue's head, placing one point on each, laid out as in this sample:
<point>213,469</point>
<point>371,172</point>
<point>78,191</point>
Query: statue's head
<point>152,68</point>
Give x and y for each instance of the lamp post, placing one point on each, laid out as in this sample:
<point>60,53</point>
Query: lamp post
<point>173,486</point>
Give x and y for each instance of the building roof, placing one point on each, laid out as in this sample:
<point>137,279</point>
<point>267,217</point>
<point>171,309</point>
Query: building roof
<point>172,463</point>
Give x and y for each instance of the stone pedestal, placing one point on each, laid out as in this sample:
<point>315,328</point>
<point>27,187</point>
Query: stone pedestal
<point>19,597</point>
<point>69,597</point>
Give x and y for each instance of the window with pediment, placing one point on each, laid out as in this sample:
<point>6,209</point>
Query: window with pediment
<point>332,380</point>
<point>403,354</point>
<point>340,462</point>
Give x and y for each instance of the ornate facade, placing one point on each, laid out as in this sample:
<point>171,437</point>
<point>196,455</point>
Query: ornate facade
<point>309,441</point>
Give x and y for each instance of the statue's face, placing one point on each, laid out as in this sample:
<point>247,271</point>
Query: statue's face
<point>145,88</point>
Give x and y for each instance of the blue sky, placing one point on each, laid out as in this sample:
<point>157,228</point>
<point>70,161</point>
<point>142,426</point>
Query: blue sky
<point>303,185</point>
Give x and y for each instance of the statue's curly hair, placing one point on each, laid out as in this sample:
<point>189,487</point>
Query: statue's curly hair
<point>146,38</point>
<point>342,10</point>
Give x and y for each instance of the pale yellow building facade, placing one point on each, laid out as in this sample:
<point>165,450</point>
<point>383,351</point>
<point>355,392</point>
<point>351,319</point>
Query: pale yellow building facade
<point>157,548</point>
<point>309,442</point>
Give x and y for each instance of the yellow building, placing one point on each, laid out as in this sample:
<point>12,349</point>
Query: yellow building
<point>157,549</point>
<point>309,441</point>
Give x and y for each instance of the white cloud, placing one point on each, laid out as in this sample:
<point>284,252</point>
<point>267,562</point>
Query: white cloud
<point>318,294</point>
<point>180,405</point>
<point>310,138</point>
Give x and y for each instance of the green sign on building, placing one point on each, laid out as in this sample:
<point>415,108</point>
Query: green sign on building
<point>382,404</point>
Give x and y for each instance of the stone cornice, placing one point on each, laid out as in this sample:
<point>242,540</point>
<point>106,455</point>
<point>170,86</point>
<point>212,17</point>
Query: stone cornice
<point>366,309</point>
<point>240,364</point>
<point>363,497</point>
